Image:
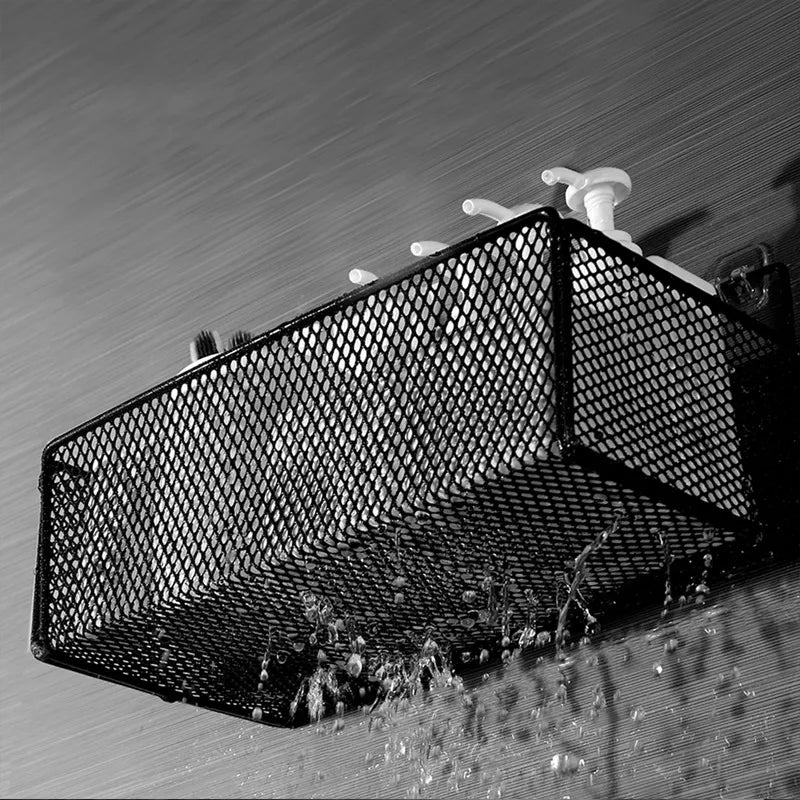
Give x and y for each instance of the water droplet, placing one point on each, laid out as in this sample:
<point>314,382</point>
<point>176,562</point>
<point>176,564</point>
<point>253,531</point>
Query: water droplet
<point>264,677</point>
<point>354,665</point>
<point>638,714</point>
<point>399,582</point>
<point>565,764</point>
<point>671,646</point>
<point>399,598</point>
<point>469,596</point>
<point>299,646</point>
<point>657,669</point>
<point>484,657</point>
<point>257,713</point>
<point>467,622</point>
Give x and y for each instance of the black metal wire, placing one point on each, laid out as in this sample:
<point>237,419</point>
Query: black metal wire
<point>472,422</point>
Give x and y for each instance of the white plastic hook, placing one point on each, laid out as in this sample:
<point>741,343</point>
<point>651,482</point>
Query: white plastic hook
<point>494,211</point>
<point>486,208</point>
<point>361,277</point>
<point>566,176</point>
<point>427,248</point>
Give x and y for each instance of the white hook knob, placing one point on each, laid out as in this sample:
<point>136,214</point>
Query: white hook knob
<point>486,208</point>
<point>566,176</point>
<point>427,248</point>
<point>492,210</point>
<point>361,277</point>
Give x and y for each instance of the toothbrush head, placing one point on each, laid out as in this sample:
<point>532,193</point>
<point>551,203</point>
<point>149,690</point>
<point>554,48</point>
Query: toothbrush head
<point>206,343</point>
<point>238,339</point>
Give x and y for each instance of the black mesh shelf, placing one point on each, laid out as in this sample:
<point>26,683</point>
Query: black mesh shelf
<point>468,424</point>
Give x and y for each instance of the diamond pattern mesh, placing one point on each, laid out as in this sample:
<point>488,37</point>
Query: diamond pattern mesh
<point>661,353</point>
<point>466,427</point>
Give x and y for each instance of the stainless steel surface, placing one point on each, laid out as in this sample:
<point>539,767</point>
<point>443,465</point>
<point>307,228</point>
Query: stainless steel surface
<point>166,166</point>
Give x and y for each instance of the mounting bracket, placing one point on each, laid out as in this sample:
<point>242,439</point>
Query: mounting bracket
<point>752,282</point>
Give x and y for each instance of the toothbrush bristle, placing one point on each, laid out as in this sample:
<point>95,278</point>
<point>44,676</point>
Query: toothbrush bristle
<point>238,339</point>
<point>205,344</point>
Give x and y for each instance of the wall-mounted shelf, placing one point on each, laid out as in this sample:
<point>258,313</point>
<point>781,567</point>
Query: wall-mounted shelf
<point>466,426</point>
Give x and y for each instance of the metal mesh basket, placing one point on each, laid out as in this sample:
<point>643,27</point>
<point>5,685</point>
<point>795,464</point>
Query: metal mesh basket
<point>419,458</point>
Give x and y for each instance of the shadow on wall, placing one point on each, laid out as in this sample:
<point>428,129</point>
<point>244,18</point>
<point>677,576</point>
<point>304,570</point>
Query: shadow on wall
<point>787,246</point>
<point>659,240</point>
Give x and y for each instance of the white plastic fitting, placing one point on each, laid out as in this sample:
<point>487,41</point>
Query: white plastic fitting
<point>361,277</point>
<point>596,193</point>
<point>427,248</point>
<point>486,208</point>
<point>494,211</point>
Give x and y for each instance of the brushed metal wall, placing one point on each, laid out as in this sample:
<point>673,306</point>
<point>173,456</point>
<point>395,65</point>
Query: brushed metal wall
<point>171,165</point>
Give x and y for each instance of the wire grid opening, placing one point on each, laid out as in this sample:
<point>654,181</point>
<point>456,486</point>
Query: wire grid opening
<point>410,430</point>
